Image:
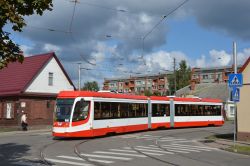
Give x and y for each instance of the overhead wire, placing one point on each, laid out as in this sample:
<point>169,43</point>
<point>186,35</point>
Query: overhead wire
<point>47,29</point>
<point>79,51</point>
<point>164,17</point>
<point>157,24</point>
<point>104,7</point>
<point>73,15</point>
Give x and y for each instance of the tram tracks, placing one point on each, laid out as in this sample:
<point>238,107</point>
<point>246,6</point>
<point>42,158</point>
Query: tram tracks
<point>129,144</point>
<point>156,142</point>
<point>85,158</point>
<point>157,147</point>
<point>42,153</point>
<point>150,156</point>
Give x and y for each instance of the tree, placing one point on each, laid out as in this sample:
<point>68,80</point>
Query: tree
<point>147,93</point>
<point>13,12</point>
<point>91,86</point>
<point>183,75</point>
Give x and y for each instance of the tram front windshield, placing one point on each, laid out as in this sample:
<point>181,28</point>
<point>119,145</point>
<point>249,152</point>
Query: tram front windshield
<point>63,109</point>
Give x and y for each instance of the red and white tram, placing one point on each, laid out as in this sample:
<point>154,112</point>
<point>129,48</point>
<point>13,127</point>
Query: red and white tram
<point>90,114</point>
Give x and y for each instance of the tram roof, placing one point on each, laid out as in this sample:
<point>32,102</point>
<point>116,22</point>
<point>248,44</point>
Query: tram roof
<point>74,94</point>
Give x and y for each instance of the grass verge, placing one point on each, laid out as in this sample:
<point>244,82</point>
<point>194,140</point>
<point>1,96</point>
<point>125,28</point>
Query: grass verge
<point>239,149</point>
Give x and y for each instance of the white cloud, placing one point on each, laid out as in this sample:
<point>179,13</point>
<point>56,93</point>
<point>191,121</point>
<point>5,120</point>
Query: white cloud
<point>51,48</point>
<point>26,49</point>
<point>161,60</point>
<point>201,62</point>
<point>242,56</point>
<point>221,58</point>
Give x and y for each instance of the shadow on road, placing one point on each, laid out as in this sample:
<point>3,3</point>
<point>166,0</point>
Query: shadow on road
<point>12,154</point>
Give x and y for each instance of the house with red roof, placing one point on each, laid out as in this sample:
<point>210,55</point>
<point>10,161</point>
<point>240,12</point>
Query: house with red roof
<point>32,87</point>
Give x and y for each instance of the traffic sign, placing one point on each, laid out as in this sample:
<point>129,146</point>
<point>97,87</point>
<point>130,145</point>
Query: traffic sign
<point>236,94</point>
<point>235,80</point>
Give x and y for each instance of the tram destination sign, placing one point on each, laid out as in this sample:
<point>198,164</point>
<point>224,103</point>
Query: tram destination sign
<point>235,80</point>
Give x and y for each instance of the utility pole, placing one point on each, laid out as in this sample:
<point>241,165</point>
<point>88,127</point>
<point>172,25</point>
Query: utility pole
<point>235,105</point>
<point>79,76</point>
<point>174,75</point>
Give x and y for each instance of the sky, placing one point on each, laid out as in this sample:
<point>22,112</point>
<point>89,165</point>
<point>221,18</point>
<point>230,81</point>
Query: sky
<point>113,38</point>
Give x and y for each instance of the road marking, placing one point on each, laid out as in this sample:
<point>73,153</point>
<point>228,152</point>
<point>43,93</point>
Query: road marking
<point>67,162</point>
<point>174,139</point>
<point>152,154</point>
<point>71,157</point>
<point>151,150</point>
<point>103,156</point>
<point>122,154</point>
<point>184,149</point>
<point>201,147</point>
<point>179,151</point>
<point>121,150</point>
<point>156,148</point>
<point>101,161</point>
<point>90,159</point>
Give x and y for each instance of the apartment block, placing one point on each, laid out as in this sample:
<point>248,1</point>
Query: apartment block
<point>138,84</point>
<point>211,75</point>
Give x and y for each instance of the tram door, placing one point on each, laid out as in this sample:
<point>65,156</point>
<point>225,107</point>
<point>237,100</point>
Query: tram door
<point>172,113</point>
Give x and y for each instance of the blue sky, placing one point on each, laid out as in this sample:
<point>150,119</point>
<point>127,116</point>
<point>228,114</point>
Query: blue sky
<point>200,32</point>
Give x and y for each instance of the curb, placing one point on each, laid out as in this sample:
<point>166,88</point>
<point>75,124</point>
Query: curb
<point>26,132</point>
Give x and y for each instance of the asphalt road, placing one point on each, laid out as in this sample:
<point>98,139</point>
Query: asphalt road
<point>174,147</point>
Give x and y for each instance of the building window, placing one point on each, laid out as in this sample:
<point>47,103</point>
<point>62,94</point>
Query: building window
<point>9,111</point>
<point>50,79</point>
<point>138,82</point>
<point>205,76</point>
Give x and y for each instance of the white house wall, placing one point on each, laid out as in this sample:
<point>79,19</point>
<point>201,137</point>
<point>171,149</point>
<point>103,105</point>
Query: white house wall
<point>60,81</point>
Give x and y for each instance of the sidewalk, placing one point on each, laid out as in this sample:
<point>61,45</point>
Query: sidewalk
<point>31,130</point>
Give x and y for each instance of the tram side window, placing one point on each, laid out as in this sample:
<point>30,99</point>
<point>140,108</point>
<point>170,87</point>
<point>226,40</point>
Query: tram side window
<point>97,110</point>
<point>133,110</point>
<point>216,110</point>
<point>160,110</point>
<point>124,107</point>
<point>183,110</point>
<point>197,110</point>
<point>105,107</point>
<point>141,112</point>
<point>115,112</point>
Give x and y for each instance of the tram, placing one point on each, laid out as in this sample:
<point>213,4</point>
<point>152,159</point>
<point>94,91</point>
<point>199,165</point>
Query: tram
<point>91,114</point>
